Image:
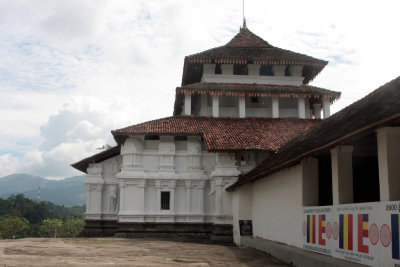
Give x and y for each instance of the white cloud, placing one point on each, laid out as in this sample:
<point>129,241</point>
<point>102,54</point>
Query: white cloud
<point>9,164</point>
<point>70,71</point>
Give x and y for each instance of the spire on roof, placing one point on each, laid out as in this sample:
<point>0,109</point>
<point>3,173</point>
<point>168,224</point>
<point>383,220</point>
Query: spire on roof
<point>244,19</point>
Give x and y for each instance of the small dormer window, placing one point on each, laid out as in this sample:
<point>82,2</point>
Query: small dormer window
<point>266,70</point>
<point>288,72</point>
<point>254,99</point>
<point>218,69</point>
<point>240,69</point>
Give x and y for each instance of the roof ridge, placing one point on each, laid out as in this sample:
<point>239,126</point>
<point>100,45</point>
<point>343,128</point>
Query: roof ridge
<point>246,38</point>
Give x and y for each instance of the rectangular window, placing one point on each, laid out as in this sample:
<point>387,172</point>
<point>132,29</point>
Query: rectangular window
<point>165,196</point>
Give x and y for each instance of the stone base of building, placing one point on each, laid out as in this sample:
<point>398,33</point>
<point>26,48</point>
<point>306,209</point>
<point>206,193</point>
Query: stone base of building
<point>203,232</point>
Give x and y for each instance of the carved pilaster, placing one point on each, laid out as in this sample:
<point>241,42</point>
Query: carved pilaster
<point>166,150</point>
<point>225,165</point>
<point>194,152</point>
<point>132,158</point>
<point>188,185</point>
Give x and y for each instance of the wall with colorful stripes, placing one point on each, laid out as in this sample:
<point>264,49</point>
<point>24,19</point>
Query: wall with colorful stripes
<point>365,233</point>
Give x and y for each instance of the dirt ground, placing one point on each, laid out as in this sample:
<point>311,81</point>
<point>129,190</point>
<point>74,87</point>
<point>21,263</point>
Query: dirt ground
<point>126,252</point>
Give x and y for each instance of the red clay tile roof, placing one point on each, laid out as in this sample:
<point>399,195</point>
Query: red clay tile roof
<point>224,134</point>
<point>246,47</point>
<point>99,157</point>
<point>260,90</point>
<point>381,108</point>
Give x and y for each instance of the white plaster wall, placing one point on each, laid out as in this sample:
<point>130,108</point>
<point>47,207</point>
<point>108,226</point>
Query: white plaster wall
<point>288,113</point>
<point>209,199</point>
<point>150,199</point>
<point>180,198</point>
<point>249,79</point>
<point>277,207</point>
<point>241,209</point>
<point>139,184</point>
<point>259,112</point>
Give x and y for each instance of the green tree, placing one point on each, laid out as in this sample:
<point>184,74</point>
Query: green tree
<point>104,147</point>
<point>50,227</point>
<point>21,206</point>
<point>72,227</point>
<point>11,226</point>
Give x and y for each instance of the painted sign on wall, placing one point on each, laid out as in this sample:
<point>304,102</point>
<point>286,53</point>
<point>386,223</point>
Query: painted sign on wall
<point>366,233</point>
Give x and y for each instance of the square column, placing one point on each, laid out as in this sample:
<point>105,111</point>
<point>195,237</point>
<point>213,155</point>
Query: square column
<point>242,107</point>
<point>208,68</point>
<point>215,106</point>
<point>188,104</point>
<point>389,163</point>
<point>301,107</point>
<point>342,174</point>
<point>227,69</point>
<point>254,70</point>
<point>279,70</point>
<point>317,111</point>
<point>275,107</point>
<point>188,186</point>
<point>94,191</point>
<point>296,71</point>
<point>326,105</point>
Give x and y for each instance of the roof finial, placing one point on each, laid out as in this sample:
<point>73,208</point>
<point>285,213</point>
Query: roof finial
<point>244,19</point>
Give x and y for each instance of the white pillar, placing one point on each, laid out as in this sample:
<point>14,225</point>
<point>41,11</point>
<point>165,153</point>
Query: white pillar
<point>227,69</point>
<point>166,151</point>
<point>215,106</point>
<point>218,195</point>
<point>242,107</point>
<point>342,174</point>
<point>188,185</point>
<point>275,107</point>
<point>326,105</point>
<point>208,68</point>
<point>188,104</point>
<point>389,163</point>
<point>254,70</point>
<point>317,111</point>
<point>301,107</point>
<point>279,70</point>
<point>296,71</point>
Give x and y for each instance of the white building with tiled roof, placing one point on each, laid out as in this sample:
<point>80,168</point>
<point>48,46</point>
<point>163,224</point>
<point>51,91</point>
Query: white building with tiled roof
<point>237,105</point>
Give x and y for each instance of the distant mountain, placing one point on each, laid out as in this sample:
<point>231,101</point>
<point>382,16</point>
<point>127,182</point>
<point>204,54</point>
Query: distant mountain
<point>68,192</point>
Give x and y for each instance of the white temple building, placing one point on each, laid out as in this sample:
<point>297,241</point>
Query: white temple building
<point>237,105</point>
<point>252,155</point>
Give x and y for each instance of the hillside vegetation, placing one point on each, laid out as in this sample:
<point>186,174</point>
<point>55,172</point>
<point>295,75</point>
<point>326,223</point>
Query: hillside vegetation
<point>68,192</point>
<point>23,217</point>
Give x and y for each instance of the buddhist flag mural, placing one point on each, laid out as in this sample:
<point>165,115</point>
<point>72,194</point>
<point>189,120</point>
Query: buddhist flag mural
<point>395,236</point>
<point>346,231</point>
<point>362,232</point>
<point>311,229</point>
<point>321,229</point>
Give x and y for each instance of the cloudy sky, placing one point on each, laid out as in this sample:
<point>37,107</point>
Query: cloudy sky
<point>71,71</point>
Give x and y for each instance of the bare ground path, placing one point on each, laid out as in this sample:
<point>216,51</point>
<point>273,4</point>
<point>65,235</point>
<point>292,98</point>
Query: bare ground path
<point>126,252</point>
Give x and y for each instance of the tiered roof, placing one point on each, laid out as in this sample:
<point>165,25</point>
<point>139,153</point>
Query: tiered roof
<point>248,48</point>
<point>224,134</point>
<point>260,90</point>
<point>378,109</point>
<point>219,134</point>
